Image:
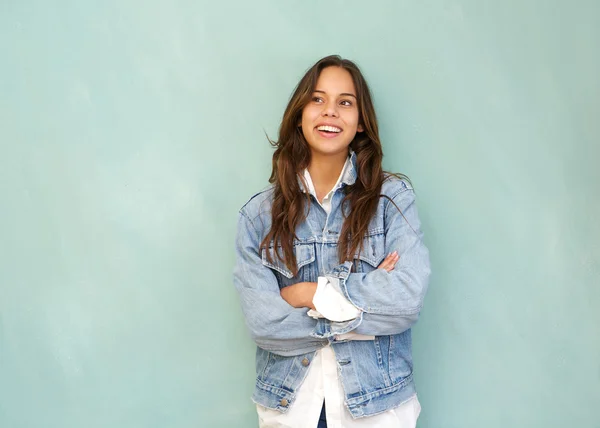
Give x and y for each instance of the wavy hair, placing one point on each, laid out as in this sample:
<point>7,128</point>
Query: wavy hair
<point>292,155</point>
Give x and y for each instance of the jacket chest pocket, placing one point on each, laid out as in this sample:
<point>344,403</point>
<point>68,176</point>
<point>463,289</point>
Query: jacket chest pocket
<point>305,262</point>
<point>372,254</point>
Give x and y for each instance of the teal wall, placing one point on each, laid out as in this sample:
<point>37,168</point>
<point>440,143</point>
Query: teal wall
<point>132,131</point>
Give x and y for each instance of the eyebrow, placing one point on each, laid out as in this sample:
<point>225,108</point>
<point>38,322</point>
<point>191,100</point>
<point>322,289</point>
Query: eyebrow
<point>343,94</point>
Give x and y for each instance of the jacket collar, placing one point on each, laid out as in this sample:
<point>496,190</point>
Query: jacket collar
<point>348,175</point>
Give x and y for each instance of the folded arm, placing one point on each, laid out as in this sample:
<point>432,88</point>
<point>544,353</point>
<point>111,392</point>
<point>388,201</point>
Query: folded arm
<point>274,325</point>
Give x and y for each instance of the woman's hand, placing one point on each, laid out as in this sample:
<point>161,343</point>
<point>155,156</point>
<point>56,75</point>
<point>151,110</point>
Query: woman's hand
<point>300,295</point>
<point>389,262</point>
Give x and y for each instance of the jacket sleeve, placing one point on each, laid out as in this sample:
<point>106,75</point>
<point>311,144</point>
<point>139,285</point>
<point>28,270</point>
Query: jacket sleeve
<point>390,301</point>
<point>274,325</point>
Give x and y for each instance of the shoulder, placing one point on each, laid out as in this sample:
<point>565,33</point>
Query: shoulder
<point>259,204</point>
<point>395,185</point>
<point>396,192</point>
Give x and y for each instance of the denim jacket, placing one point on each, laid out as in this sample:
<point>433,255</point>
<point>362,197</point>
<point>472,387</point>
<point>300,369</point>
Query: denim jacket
<point>376,374</point>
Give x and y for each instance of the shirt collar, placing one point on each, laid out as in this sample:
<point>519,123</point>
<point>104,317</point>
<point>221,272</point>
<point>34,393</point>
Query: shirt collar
<point>347,176</point>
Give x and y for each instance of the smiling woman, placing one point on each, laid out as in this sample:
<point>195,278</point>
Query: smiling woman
<point>331,267</point>
<point>330,119</point>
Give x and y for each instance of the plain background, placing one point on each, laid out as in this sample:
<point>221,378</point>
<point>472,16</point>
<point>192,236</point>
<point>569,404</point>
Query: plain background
<point>131,133</point>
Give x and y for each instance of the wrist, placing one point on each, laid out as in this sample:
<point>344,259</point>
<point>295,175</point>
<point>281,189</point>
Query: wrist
<point>310,290</point>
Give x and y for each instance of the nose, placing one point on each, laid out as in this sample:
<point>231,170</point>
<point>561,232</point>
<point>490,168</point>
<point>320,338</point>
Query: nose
<point>330,109</point>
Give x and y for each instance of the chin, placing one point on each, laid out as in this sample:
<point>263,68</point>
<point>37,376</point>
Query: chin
<point>329,151</point>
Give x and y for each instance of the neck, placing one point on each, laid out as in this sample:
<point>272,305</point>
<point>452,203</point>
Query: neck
<point>325,171</point>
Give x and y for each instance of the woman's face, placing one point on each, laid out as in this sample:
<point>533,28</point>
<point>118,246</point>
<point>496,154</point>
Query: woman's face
<point>331,120</point>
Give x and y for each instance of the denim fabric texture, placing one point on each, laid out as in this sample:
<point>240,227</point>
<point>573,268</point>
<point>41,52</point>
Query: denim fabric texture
<point>377,375</point>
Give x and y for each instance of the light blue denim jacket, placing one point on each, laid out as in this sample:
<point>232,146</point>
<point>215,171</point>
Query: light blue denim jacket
<point>376,375</point>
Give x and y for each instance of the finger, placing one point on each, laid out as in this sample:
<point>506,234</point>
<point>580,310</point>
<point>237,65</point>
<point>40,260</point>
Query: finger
<point>392,265</point>
<point>390,261</point>
<point>387,263</point>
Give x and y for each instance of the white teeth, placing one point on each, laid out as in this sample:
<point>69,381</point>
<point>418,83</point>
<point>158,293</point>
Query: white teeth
<point>329,128</point>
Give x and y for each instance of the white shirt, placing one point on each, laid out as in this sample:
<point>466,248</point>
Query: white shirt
<point>322,381</point>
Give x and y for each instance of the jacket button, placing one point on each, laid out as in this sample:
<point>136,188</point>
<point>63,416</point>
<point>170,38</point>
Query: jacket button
<point>305,362</point>
<point>284,402</point>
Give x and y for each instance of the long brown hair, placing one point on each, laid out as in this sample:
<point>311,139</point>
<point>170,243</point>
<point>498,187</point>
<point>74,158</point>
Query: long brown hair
<point>292,156</point>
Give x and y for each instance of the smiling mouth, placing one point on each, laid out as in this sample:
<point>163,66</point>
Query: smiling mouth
<point>329,129</point>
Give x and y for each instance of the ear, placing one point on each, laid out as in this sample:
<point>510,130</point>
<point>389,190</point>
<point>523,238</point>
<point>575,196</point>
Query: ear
<point>360,128</point>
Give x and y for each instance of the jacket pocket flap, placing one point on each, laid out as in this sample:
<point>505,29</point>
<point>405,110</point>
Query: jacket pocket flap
<point>305,254</point>
<point>373,251</point>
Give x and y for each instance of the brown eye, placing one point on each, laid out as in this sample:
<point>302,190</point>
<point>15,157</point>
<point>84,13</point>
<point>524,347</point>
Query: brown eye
<point>346,103</point>
<point>317,99</point>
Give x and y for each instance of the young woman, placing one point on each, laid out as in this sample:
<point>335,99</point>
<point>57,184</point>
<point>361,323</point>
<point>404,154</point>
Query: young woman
<point>331,267</point>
